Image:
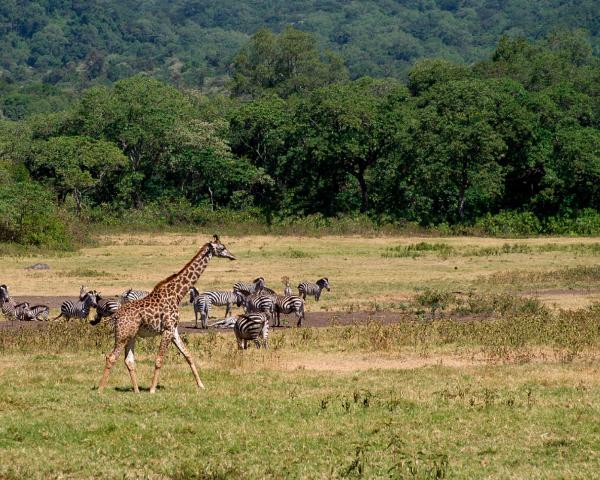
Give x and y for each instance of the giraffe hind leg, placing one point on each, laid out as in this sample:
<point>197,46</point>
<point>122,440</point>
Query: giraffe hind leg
<point>130,364</point>
<point>188,357</point>
<point>164,343</point>
<point>111,358</point>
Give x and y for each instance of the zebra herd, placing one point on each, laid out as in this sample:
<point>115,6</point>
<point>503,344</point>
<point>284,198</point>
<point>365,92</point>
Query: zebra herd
<point>262,305</point>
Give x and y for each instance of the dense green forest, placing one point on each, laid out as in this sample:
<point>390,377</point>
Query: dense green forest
<point>510,144</point>
<point>51,49</point>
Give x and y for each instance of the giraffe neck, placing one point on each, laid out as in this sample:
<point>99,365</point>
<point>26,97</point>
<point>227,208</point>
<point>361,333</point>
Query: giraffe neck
<point>179,284</point>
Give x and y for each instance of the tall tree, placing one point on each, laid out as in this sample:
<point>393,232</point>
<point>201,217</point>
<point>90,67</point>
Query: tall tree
<point>284,63</point>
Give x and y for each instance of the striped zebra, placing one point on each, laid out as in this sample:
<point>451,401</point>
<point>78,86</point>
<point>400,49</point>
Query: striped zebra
<point>37,312</point>
<point>20,311</point>
<point>251,326</point>
<point>287,304</point>
<point>131,295</point>
<point>306,288</point>
<point>287,288</point>
<point>258,302</point>
<point>201,306</point>
<point>105,307</point>
<point>78,309</point>
<point>220,298</point>
<point>257,284</point>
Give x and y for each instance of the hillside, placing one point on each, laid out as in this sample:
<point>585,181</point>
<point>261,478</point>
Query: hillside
<point>73,43</point>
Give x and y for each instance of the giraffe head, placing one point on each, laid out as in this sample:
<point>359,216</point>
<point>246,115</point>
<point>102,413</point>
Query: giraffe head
<point>220,250</point>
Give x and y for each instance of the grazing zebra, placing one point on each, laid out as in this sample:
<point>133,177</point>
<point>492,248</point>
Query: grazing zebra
<point>287,304</point>
<point>220,299</point>
<point>132,295</point>
<point>201,306</point>
<point>80,308</point>
<point>315,289</point>
<point>257,284</point>
<point>21,311</point>
<point>287,288</point>
<point>105,307</point>
<point>258,302</point>
<point>251,326</point>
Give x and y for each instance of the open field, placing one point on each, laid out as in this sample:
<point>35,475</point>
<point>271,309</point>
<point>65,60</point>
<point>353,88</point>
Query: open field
<point>480,376</point>
<point>380,273</point>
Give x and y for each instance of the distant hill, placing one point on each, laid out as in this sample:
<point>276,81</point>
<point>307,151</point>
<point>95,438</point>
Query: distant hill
<point>73,43</point>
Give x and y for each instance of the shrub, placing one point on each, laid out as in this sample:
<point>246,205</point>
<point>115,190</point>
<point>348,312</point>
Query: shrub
<point>29,216</point>
<point>509,223</point>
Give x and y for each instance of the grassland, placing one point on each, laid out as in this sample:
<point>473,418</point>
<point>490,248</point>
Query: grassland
<point>365,273</point>
<point>501,385</point>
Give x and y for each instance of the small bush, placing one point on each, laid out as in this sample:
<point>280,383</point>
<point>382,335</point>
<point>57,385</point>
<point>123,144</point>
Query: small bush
<point>509,223</point>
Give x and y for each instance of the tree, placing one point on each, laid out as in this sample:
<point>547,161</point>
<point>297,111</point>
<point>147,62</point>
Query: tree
<point>285,64</point>
<point>459,148</point>
<point>75,165</point>
<point>350,126</point>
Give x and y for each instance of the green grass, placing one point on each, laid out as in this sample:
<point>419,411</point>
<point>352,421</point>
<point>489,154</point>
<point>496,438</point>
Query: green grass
<point>513,395</point>
<point>517,421</point>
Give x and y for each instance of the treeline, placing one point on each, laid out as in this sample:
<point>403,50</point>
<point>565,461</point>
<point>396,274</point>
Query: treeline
<point>510,144</point>
<point>51,49</point>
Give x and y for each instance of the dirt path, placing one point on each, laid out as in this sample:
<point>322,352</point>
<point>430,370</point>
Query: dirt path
<point>312,319</point>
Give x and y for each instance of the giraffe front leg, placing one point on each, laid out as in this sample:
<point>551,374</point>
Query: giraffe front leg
<point>130,364</point>
<point>111,358</point>
<point>164,343</point>
<point>188,357</point>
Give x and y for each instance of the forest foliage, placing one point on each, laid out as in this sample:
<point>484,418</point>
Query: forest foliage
<point>507,145</point>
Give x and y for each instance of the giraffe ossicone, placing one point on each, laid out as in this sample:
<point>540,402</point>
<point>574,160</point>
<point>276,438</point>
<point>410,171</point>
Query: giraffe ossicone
<point>158,314</point>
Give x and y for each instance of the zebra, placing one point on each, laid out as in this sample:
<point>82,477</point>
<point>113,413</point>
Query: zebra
<point>258,302</point>
<point>220,299</point>
<point>80,308</point>
<point>315,289</point>
<point>251,326</point>
<point>37,312</point>
<point>201,306</point>
<point>105,307</point>
<point>132,295</point>
<point>257,284</point>
<point>287,288</point>
<point>287,304</point>
<point>20,311</point>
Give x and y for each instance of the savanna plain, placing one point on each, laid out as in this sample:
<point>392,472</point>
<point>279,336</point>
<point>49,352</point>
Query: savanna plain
<point>471,358</point>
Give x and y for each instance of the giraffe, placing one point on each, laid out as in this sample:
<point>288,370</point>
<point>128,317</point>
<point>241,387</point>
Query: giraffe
<point>158,314</point>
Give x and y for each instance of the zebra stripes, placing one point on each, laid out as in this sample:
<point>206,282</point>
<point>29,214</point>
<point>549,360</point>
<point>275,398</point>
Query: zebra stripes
<point>220,298</point>
<point>257,284</point>
<point>257,302</point>
<point>37,312</point>
<point>251,326</point>
<point>133,295</point>
<point>21,311</point>
<point>201,307</point>
<point>105,307</point>
<point>287,304</point>
<point>310,289</point>
<point>80,308</point>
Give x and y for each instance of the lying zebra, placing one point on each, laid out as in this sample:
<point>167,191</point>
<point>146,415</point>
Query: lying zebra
<point>202,303</point>
<point>21,311</point>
